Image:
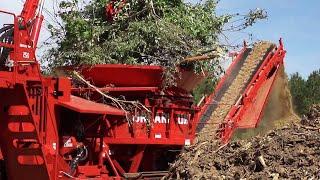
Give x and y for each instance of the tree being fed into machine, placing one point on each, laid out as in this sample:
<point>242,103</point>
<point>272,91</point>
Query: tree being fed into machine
<point>152,32</point>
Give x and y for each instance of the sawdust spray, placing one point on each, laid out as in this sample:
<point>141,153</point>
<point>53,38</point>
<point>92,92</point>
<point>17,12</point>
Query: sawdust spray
<point>278,111</point>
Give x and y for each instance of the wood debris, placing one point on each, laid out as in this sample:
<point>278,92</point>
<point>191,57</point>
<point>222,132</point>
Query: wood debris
<point>292,152</point>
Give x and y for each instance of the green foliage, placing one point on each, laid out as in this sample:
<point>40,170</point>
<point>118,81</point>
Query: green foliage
<point>313,87</point>
<point>157,32</point>
<point>205,88</point>
<point>298,91</point>
<point>305,92</point>
<point>162,34</point>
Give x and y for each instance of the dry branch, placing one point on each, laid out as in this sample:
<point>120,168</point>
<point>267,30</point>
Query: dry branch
<point>119,103</point>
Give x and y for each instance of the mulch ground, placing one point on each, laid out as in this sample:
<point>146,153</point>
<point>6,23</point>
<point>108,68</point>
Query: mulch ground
<point>292,152</point>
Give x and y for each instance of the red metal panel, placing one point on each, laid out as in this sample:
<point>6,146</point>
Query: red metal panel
<point>6,79</point>
<point>162,141</point>
<point>120,75</point>
<point>29,10</point>
<point>64,88</point>
<point>119,89</point>
<point>85,106</point>
<point>252,114</point>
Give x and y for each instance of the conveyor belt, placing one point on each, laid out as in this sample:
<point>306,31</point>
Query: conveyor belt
<point>233,87</point>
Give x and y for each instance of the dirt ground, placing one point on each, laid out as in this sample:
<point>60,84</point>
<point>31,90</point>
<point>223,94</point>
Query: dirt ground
<point>291,152</point>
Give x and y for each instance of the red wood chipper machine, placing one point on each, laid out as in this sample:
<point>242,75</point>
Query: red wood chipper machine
<point>50,129</point>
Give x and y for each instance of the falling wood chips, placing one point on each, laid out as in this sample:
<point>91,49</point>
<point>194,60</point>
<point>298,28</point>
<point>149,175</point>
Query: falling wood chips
<point>235,90</point>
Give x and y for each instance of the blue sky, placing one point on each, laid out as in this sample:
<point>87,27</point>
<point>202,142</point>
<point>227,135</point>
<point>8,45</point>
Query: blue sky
<point>296,21</point>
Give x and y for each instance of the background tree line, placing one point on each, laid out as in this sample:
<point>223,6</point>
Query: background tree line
<point>305,92</point>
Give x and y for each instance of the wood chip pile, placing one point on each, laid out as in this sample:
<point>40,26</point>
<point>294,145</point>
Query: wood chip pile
<point>290,152</point>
